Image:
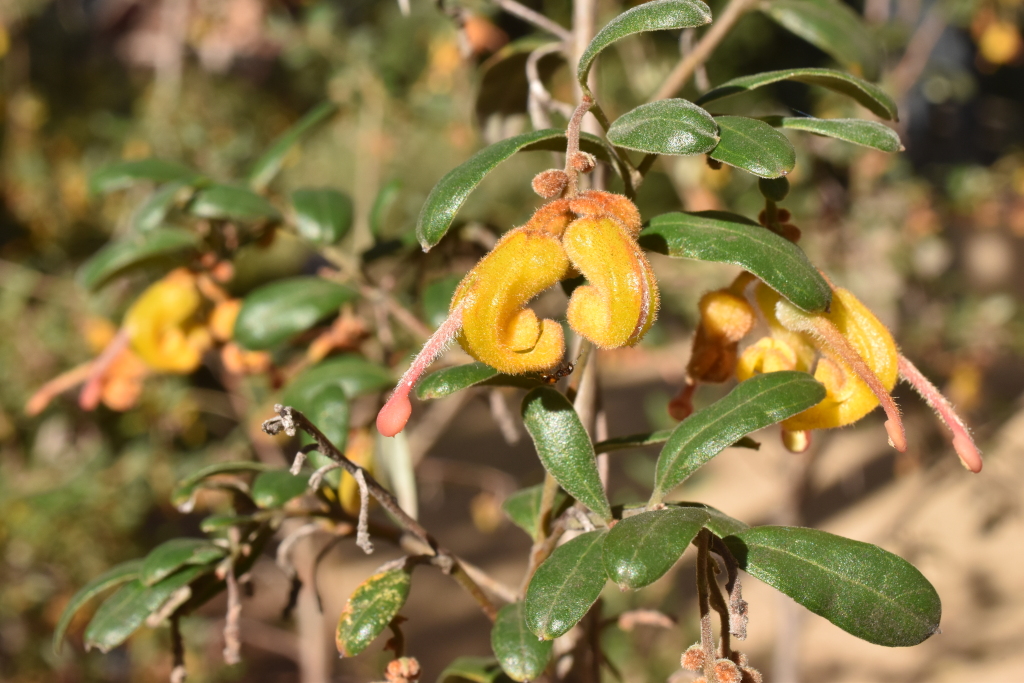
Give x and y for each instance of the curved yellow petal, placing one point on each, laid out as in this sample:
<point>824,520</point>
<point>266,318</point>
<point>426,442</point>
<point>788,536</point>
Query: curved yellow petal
<point>800,344</point>
<point>767,355</point>
<point>496,328</point>
<point>161,326</point>
<point>595,203</point>
<point>621,301</point>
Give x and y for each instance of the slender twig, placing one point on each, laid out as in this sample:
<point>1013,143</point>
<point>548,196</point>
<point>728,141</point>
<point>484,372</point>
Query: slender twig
<point>919,50</point>
<point>737,605</point>
<point>572,145</point>
<point>539,100</point>
<point>702,50</point>
<point>718,603</point>
<point>178,672</point>
<point>703,602</point>
<point>363,529</point>
<point>536,18</point>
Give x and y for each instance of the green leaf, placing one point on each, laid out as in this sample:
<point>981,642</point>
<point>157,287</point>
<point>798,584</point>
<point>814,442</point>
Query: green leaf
<point>329,409</point>
<point>565,586</point>
<point>215,523</point>
<point>184,493</point>
<point>452,190</point>
<point>858,131</point>
<point>274,488</point>
<point>127,173</point>
<point>354,374</point>
<point>651,16</point>
<point>437,297</point>
<point>163,247</point>
<point>123,612</point>
<point>666,127</point>
<point>782,265</point>
<point>831,26</point>
<point>172,555</point>
<point>267,166</point>
<point>753,146</point>
<point>447,381</point>
<point>370,609</point>
<point>382,204</point>
<point>115,576</point>
<point>758,402</point>
<point>228,202</point>
<point>867,94</point>
<point>523,508</point>
<point>151,213</point>
<point>521,655</point>
<point>649,438</point>
<point>719,523</point>
<point>276,312</point>
<point>640,549</point>
<point>473,670</point>
<point>864,590</point>
<point>322,215</point>
<point>564,447</point>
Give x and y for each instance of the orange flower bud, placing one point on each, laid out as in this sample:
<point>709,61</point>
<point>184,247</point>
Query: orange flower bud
<point>161,325</point>
<point>550,183</point>
<point>725,318</point>
<point>222,319</point>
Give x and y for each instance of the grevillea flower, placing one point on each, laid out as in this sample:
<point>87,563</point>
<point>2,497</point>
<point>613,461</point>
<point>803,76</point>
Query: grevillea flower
<point>162,324</point>
<point>592,233</point>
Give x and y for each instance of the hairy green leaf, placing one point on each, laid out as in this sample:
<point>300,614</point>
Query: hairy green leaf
<point>370,609</point>
<point>276,312</point>
<point>274,488</point>
<point>753,146</point>
<point>564,447</point>
<point>758,402</point>
<point>782,265</point>
<point>447,381</point>
<point>267,166</point>
<point>523,508</point>
<point>661,436</point>
<point>322,215</point>
<point>172,555</point>
<point>354,374</point>
<point>115,576</point>
<point>151,213</point>
<point>437,297</point>
<point>126,173</point>
<point>858,131</point>
<point>521,655</point>
<point>228,202</point>
<point>565,586</point>
<point>673,126</point>
<point>640,549</point>
<point>184,493</point>
<point>473,670</point>
<point>162,248</point>
<point>329,409</point>
<point>864,590</point>
<point>719,523</point>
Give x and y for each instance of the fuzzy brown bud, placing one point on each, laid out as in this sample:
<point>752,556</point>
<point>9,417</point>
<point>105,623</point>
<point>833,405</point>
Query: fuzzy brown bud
<point>402,670</point>
<point>693,658</point>
<point>550,183</point>
<point>583,162</point>
<point>726,671</point>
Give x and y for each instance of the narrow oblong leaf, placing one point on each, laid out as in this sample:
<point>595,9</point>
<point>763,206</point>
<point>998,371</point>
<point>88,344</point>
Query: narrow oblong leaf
<point>370,609</point>
<point>658,15</point>
<point>126,173</point>
<point>648,439</point>
<point>758,402</point>
<point>521,655</point>
<point>719,523</point>
<point>451,191</point>
<point>276,312</point>
<point>832,27</point>
<point>322,215</point>
<point>754,146</point>
<point>858,131</point>
<point>473,670</point>
<point>267,166</point>
<point>861,588</point>
<point>172,555</point>
<point>523,508</point>
<point>163,247</point>
<point>782,265</point>
<point>185,491</point>
<point>354,374</point>
<point>151,213</point>
<point>115,576</point>
<point>274,488</point>
<point>673,126</point>
<point>447,381</point>
<point>125,611</point>
<point>867,94</point>
<point>565,586</point>
<point>228,202</point>
<point>641,549</point>
<point>564,447</point>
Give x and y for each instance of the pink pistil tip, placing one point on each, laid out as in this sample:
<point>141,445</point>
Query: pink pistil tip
<point>392,417</point>
<point>897,437</point>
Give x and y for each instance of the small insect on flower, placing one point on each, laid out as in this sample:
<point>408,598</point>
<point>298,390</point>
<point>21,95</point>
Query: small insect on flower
<point>559,373</point>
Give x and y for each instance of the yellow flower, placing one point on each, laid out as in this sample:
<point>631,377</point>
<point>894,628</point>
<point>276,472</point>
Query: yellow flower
<point>162,325</point>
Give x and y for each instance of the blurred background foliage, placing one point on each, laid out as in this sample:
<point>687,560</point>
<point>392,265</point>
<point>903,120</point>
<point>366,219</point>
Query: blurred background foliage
<point>931,239</point>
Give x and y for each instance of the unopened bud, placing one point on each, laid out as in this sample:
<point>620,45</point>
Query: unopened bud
<point>583,162</point>
<point>693,658</point>
<point>550,183</point>
<point>796,441</point>
<point>726,671</point>
<point>774,189</point>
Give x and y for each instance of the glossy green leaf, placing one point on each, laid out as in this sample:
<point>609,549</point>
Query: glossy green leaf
<point>329,409</point>
<point>753,146</point>
<point>215,523</point>
<point>437,297</point>
<point>864,590</point>
<point>267,166</point>
<point>125,611</point>
<point>661,436</point>
<point>322,215</point>
<point>867,94</point>
<point>521,655</point>
<point>650,16</point>
<point>473,670</point>
<point>115,576</point>
<point>719,523</point>
<point>565,586</point>
<point>451,191</point>
<point>832,27</point>
<point>523,508</point>
<point>185,491</point>
<point>151,213</point>
<point>172,555</point>
<point>564,447</point>
<point>276,312</point>
<point>641,549</point>
<point>858,131</point>
<point>164,247</point>
<point>758,402</point>
<point>127,173</point>
<point>447,381</point>
<point>228,202</point>
<point>370,609</point>
<point>673,126</point>
<point>782,265</point>
<point>274,488</point>
<point>354,374</point>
